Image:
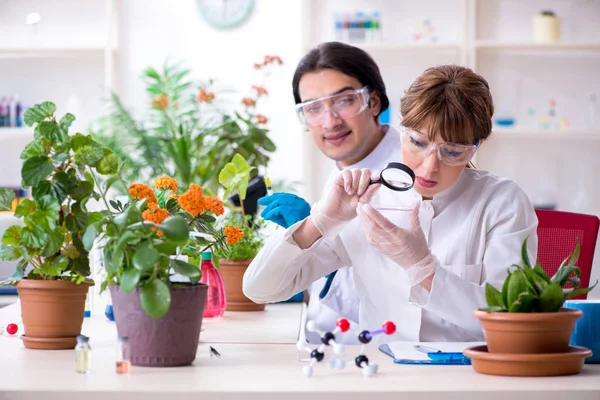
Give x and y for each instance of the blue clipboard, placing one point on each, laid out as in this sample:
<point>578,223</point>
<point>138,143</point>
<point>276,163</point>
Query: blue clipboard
<point>442,358</point>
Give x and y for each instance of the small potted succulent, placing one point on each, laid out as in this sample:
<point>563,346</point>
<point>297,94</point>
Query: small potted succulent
<point>52,264</point>
<point>527,315</point>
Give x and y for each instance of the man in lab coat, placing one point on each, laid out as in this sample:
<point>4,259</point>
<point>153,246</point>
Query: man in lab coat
<point>339,95</point>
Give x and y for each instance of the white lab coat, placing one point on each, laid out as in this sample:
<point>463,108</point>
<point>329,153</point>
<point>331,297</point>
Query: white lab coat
<point>341,299</point>
<point>475,228</point>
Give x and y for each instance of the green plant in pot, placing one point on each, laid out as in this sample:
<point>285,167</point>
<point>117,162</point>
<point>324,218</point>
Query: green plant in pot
<point>527,315</point>
<point>158,300</point>
<point>245,240</point>
<point>52,265</point>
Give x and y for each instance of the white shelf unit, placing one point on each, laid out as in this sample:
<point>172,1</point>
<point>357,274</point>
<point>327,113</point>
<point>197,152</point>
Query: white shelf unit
<point>494,38</point>
<point>69,58</point>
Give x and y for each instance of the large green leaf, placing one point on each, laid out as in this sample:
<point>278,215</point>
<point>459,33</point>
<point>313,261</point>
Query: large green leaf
<point>43,188</point>
<point>145,258</point>
<point>493,296</point>
<point>80,190</point>
<point>34,149</point>
<point>523,302</point>
<point>156,298</point>
<point>524,255</point>
<point>10,253</point>
<point>130,279</point>
<point>47,213</point>
<point>33,238</point>
<point>552,298</point>
<point>39,112</point>
<point>55,240</point>
<point>12,236</point>
<point>50,131</point>
<point>60,186</point>
<point>65,123</point>
<point>77,220</point>
<point>87,150</point>
<point>7,197</point>
<point>175,229</point>
<point>185,269</point>
<point>25,208</point>
<point>36,169</point>
<point>82,265</point>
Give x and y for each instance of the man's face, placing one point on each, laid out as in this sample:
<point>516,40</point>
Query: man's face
<point>344,140</point>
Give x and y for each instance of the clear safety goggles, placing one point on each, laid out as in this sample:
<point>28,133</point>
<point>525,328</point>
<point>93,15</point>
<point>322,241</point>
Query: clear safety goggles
<point>343,105</point>
<point>452,154</point>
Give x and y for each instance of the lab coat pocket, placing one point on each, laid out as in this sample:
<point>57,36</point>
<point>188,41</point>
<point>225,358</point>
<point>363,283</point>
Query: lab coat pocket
<point>469,272</point>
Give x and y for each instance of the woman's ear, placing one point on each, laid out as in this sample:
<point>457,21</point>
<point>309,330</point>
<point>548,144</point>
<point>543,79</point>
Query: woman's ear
<point>375,104</point>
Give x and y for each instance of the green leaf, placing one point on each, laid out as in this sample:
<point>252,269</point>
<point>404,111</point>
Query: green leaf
<point>575,255</point>
<point>47,212</point>
<point>7,196</point>
<point>562,275</point>
<point>12,236</point>
<point>517,285</point>
<point>576,292</point>
<point>82,265</point>
<point>55,240</point>
<point>540,271</point>
<point>156,298</point>
<point>49,269</point>
<point>109,164</point>
<point>39,112</point>
<point>166,247</point>
<point>523,302</point>
<point>538,282</point>
<point>552,298</point>
<point>185,269</point>
<point>10,253</point>
<point>36,169</point>
<point>493,296</point>
<point>34,149</point>
<point>59,158</point>
<point>50,131</point>
<point>33,238</point>
<point>130,279</point>
<point>90,234</point>
<point>175,229</point>
<point>524,255</point>
<point>65,123</point>
<point>81,190</point>
<point>494,309</point>
<point>43,188</point>
<point>77,220</point>
<point>25,208</point>
<point>87,150</point>
<point>145,258</point>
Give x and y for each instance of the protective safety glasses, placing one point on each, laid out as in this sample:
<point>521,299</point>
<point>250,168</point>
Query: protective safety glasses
<point>343,105</point>
<point>452,154</point>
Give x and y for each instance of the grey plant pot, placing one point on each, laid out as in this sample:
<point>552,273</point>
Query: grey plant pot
<point>169,341</point>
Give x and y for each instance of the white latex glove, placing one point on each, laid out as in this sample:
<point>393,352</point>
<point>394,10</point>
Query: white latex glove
<point>406,247</point>
<point>338,206</point>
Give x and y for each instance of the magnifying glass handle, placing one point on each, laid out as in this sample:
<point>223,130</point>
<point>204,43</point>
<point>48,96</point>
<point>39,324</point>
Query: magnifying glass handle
<point>374,181</point>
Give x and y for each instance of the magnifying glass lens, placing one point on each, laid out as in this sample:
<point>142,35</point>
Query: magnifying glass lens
<point>397,178</point>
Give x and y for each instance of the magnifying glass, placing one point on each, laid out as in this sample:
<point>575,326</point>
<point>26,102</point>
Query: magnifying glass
<point>396,176</point>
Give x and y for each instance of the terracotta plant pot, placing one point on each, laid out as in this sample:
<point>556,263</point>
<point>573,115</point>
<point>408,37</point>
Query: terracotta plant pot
<point>52,313</point>
<point>528,333</point>
<point>169,341</point>
<point>233,276</point>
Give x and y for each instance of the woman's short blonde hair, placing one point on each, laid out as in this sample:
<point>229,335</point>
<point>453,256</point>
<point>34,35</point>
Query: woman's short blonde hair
<point>453,101</point>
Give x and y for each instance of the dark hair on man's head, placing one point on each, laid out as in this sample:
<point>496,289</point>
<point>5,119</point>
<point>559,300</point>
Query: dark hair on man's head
<point>346,59</point>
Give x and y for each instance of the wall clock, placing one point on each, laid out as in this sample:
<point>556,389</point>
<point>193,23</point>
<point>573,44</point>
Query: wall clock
<point>225,14</point>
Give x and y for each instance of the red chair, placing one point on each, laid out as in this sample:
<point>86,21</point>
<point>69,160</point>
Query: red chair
<point>558,232</point>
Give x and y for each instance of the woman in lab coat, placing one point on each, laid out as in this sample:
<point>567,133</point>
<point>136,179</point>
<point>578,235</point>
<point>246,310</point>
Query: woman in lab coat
<point>424,269</point>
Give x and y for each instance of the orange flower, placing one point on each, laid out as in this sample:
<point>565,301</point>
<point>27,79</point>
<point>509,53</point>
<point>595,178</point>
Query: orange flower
<point>164,182</point>
<point>257,65</point>
<point>261,119</point>
<point>214,205</point>
<point>205,97</point>
<point>156,215</point>
<point>192,200</point>
<point>260,90</point>
<point>161,101</point>
<point>233,234</point>
<point>248,102</point>
<point>140,191</point>
<point>272,59</point>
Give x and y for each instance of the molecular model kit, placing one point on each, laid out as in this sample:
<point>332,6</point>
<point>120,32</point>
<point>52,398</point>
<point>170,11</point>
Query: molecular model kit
<point>338,360</point>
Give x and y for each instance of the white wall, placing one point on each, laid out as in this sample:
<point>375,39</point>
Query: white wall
<point>151,30</point>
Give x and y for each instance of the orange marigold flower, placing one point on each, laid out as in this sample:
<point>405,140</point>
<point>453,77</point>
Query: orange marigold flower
<point>260,90</point>
<point>161,101</point>
<point>233,234</point>
<point>205,97</point>
<point>261,119</point>
<point>165,182</point>
<point>156,215</point>
<point>214,205</point>
<point>248,102</point>
<point>140,191</point>
<point>192,200</point>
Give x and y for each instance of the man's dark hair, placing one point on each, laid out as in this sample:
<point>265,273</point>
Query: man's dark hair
<point>346,59</point>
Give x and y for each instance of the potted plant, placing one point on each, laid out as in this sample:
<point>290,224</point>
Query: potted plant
<point>527,315</point>
<point>244,237</point>
<point>145,243</point>
<point>53,267</point>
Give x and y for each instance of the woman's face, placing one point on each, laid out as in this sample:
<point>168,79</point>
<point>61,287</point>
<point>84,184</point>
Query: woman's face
<point>432,176</point>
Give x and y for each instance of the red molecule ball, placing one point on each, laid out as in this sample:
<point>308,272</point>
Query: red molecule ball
<point>343,324</point>
<point>389,327</point>
<point>11,329</point>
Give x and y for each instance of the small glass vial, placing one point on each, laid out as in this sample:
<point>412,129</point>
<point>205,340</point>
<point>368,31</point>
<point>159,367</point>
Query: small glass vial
<point>83,355</point>
<point>123,355</point>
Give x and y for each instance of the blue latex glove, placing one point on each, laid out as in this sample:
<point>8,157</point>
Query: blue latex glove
<point>284,209</point>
